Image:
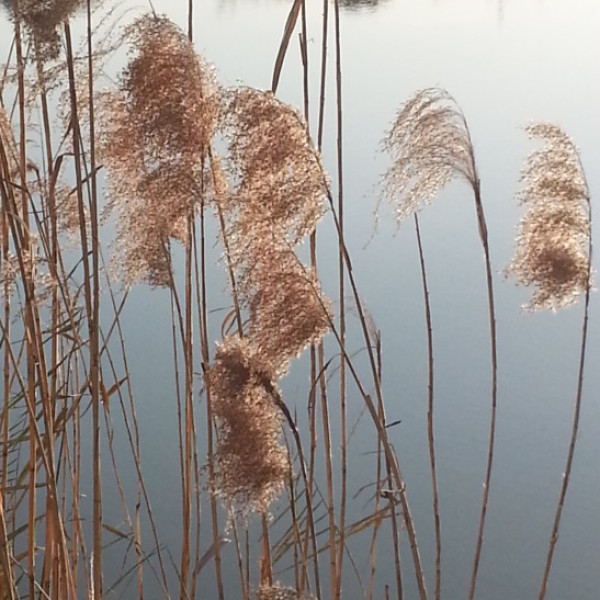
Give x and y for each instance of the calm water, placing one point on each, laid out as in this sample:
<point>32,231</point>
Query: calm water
<point>506,63</point>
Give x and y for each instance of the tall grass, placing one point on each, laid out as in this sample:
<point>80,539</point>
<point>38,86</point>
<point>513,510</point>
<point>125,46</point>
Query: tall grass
<point>161,157</point>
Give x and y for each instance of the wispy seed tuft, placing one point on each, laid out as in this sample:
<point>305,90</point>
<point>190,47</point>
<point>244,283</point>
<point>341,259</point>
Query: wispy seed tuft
<point>552,250</point>
<point>430,144</point>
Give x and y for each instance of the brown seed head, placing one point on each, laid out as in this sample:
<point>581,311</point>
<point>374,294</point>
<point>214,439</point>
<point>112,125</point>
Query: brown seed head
<point>43,18</point>
<point>277,171</point>
<point>251,462</point>
<point>552,246</point>
<point>156,132</point>
<point>286,308</point>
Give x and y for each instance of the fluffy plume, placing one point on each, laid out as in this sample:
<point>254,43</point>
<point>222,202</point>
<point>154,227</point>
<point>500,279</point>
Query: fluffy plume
<point>430,144</point>
<point>43,18</point>
<point>251,462</point>
<point>286,308</point>
<point>156,132</point>
<point>276,196</point>
<point>552,250</point>
<point>277,170</point>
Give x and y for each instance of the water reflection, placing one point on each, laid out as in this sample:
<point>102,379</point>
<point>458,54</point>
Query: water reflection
<point>361,5</point>
<point>345,5</point>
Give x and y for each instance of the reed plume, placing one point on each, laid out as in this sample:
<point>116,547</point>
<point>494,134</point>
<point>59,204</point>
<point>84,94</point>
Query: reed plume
<point>286,308</point>
<point>552,245</point>
<point>251,462</point>
<point>554,253</point>
<point>274,198</point>
<point>156,133</point>
<point>430,145</point>
<point>276,170</point>
<point>43,18</point>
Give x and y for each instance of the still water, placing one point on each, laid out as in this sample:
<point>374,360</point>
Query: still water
<point>506,63</point>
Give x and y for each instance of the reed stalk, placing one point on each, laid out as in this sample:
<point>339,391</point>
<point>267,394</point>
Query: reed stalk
<point>553,253</point>
<point>430,421</point>
<point>342,301</point>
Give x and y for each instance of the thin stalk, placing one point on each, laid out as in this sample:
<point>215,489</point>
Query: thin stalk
<point>481,222</point>
<point>209,410</point>
<point>6,573</point>
<point>6,379</point>
<point>26,271</point>
<point>188,415</point>
<point>95,323</point>
<point>188,354</point>
<point>176,318</point>
<point>134,443</point>
<point>575,426</point>
<point>389,453</point>
<point>342,301</point>
<point>23,161</point>
<point>319,348</point>
<point>266,568</point>
<point>430,434</point>
<point>309,507</point>
<point>333,567</point>
<point>92,297</point>
<point>331,529</point>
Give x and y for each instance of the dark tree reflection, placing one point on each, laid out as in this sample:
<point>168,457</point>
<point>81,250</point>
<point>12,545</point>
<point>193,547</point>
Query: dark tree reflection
<point>358,5</point>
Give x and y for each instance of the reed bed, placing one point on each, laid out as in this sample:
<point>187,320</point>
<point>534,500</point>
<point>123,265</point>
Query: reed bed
<point>130,184</point>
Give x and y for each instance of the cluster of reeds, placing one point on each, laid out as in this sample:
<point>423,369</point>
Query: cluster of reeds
<point>65,374</point>
<point>276,200</point>
<point>430,144</point>
<point>57,361</point>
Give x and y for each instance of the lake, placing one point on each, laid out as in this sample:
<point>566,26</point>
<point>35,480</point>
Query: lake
<point>506,63</point>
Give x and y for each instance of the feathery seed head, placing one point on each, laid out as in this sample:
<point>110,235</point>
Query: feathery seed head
<point>43,18</point>
<point>171,92</point>
<point>277,171</point>
<point>286,308</point>
<point>430,144</point>
<point>251,462</point>
<point>156,133</point>
<point>552,250</point>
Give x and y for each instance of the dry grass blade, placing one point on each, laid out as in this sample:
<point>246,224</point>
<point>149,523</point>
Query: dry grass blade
<point>290,24</point>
